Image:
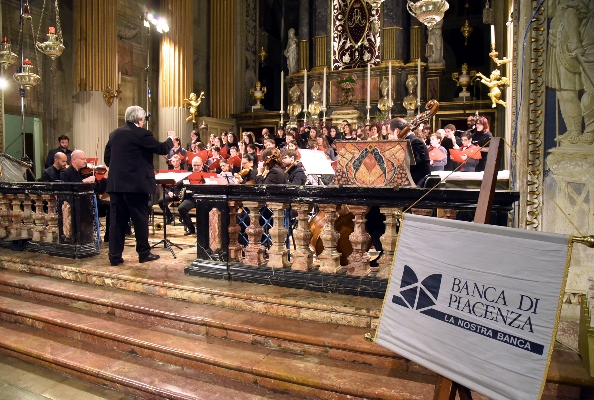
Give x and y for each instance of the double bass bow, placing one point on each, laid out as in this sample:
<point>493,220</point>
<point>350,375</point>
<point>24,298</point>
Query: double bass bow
<point>432,107</point>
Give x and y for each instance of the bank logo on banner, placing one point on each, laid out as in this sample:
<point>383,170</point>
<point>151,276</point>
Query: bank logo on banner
<point>414,295</point>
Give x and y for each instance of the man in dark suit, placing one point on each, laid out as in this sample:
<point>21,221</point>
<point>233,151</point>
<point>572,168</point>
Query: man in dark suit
<point>422,165</point>
<point>64,141</point>
<point>73,174</point>
<point>52,173</point>
<point>129,156</point>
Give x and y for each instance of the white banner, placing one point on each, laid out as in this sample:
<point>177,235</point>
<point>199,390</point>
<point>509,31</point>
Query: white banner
<point>476,303</point>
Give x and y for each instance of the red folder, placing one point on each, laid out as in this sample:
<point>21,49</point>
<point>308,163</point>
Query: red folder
<point>235,161</point>
<point>223,153</point>
<point>436,155</point>
<point>190,156</point>
<point>214,165</point>
<point>471,152</point>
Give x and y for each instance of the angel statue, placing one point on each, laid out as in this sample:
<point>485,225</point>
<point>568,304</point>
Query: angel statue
<point>193,102</point>
<point>493,83</point>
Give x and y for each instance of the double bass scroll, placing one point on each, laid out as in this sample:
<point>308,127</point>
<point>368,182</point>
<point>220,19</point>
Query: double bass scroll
<point>432,107</point>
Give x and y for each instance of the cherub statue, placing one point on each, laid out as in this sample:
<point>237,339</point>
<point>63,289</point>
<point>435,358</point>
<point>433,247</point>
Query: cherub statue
<point>493,83</point>
<point>193,102</point>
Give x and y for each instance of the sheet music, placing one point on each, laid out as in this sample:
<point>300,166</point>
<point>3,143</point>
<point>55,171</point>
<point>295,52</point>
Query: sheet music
<point>315,162</point>
<point>174,176</point>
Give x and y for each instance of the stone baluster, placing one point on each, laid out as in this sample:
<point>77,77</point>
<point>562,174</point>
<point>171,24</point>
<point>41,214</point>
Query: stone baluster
<point>28,225</point>
<point>447,213</point>
<point>359,259</point>
<point>278,254</point>
<point>14,229</point>
<point>4,215</point>
<point>329,258</point>
<point>51,218</point>
<point>388,239</point>
<point>38,218</point>
<point>254,252</point>
<point>234,247</point>
<point>302,256</point>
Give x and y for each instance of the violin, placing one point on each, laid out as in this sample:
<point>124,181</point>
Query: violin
<point>91,170</point>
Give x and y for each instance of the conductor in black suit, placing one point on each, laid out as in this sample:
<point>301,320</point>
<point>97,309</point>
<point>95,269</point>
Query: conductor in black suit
<point>129,156</point>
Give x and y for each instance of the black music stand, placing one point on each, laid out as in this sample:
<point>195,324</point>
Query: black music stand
<point>167,244</point>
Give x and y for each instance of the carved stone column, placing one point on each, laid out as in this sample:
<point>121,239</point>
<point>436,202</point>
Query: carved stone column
<point>254,252</point>
<point>302,256</point>
<point>329,258</point>
<point>422,211</point>
<point>234,229</point>
<point>39,218</point>
<point>222,56</point>
<point>95,34</point>
<point>446,213</point>
<point>359,259</point>
<point>14,229</point>
<point>388,239</point>
<point>278,254</point>
<point>27,231</point>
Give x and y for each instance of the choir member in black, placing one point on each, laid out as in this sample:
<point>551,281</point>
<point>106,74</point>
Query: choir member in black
<point>422,166</point>
<point>294,168</point>
<point>64,141</point>
<point>271,172</point>
<point>129,154</point>
<point>74,174</point>
<point>193,139</point>
<point>176,150</point>
<point>52,173</point>
<point>481,138</point>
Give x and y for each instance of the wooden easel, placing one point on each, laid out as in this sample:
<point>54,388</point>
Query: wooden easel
<point>446,389</point>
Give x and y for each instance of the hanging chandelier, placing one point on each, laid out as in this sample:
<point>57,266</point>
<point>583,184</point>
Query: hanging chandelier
<point>26,77</point>
<point>7,57</point>
<point>54,45</point>
<point>428,12</point>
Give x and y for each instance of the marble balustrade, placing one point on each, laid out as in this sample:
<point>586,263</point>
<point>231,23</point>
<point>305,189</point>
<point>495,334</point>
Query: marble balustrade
<point>255,246</point>
<point>51,218</point>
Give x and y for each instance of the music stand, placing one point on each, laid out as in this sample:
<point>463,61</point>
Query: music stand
<point>164,180</point>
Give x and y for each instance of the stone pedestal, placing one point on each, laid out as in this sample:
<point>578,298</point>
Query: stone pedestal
<point>570,183</point>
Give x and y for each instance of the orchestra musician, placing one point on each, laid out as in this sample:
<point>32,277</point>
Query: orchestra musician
<point>173,193</point>
<point>271,171</point>
<point>198,165</point>
<point>63,141</point>
<point>293,168</point>
<point>226,172</point>
<point>129,154</point>
<point>249,169</point>
<point>422,168</point>
<point>187,201</point>
<point>52,173</point>
<point>74,174</point>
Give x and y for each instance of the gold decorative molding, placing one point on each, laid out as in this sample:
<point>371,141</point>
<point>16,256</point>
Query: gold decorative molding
<point>222,58</point>
<point>416,42</point>
<point>96,36</point>
<point>389,43</point>
<point>320,51</point>
<point>303,55</point>
<point>535,151</point>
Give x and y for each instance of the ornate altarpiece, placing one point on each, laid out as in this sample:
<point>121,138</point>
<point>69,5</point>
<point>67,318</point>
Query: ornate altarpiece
<point>355,34</point>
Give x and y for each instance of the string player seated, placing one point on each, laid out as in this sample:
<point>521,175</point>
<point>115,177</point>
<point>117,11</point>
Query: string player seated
<point>249,169</point>
<point>52,173</point>
<point>187,201</point>
<point>173,192</point>
<point>293,168</point>
<point>271,171</point>
<point>226,172</point>
<point>74,174</point>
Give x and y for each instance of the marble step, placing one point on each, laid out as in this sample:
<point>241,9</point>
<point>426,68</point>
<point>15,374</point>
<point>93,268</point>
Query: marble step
<point>302,375</point>
<point>126,373</point>
<point>295,336</point>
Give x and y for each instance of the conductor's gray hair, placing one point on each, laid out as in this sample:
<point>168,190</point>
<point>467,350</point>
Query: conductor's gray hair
<point>134,114</point>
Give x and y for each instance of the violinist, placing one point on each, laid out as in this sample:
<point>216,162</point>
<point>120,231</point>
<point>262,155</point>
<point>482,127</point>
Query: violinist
<point>52,173</point>
<point>249,169</point>
<point>187,201</point>
<point>75,174</point>
<point>293,168</point>
<point>271,171</point>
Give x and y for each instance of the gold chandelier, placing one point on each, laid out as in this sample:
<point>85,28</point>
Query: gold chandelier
<point>26,78</point>
<point>428,12</point>
<point>7,57</point>
<point>54,45</point>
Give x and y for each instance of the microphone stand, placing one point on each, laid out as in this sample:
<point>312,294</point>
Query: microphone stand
<point>167,244</point>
